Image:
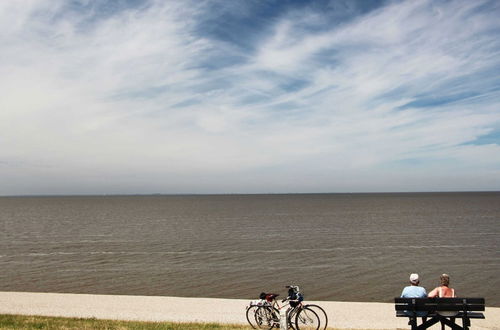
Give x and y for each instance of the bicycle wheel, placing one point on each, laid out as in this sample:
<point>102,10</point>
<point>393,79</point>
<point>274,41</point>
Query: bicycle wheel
<point>323,318</point>
<point>251,310</point>
<point>291,318</point>
<point>267,317</point>
<point>307,319</point>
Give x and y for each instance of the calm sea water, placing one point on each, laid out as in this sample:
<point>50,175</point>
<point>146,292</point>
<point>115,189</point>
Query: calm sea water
<point>349,247</point>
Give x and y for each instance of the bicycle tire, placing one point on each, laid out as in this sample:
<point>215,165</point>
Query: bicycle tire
<point>251,315</point>
<point>321,313</point>
<point>307,319</point>
<point>267,317</point>
<point>291,315</point>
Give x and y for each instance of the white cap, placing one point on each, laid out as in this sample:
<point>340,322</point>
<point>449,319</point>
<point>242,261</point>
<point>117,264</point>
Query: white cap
<point>414,278</point>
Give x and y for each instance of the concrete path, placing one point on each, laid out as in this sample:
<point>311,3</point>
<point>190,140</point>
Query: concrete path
<point>343,315</point>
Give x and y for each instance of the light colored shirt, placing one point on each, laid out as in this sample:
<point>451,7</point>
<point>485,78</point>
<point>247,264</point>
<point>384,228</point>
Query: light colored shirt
<point>414,291</point>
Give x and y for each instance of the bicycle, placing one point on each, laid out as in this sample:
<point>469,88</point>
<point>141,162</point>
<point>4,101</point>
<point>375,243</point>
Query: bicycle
<point>257,316</point>
<point>293,290</point>
<point>264,313</point>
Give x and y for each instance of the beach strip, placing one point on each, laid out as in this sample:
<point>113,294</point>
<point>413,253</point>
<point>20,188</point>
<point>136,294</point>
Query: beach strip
<point>342,315</point>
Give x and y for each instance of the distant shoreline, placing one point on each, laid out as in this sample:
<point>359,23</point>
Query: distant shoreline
<point>458,192</point>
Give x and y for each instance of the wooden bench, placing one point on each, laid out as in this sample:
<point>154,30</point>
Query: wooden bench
<point>466,308</point>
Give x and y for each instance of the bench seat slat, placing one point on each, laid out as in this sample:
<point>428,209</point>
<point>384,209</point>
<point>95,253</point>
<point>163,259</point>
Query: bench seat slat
<point>440,307</point>
<point>451,300</point>
<point>448,307</point>
<point>471,315</point>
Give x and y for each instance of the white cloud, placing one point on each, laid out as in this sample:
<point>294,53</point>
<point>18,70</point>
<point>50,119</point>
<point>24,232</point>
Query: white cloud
<point>141,101</point>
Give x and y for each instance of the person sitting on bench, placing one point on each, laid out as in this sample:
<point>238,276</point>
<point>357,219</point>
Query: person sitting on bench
<point>444,291</point>
<point>414,291</point>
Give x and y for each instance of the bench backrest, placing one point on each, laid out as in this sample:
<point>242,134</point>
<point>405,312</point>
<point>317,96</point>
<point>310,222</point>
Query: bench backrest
<point>439,304</point>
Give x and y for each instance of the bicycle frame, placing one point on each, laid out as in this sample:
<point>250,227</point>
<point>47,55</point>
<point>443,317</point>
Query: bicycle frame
<point>291,312</point>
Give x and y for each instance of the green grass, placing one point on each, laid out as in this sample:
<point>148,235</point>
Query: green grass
<point>60,323</point>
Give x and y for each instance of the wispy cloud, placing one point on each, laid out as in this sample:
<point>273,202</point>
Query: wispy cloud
<point>159,97</point>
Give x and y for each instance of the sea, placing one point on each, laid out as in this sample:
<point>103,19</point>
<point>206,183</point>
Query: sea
<point>341,247</point>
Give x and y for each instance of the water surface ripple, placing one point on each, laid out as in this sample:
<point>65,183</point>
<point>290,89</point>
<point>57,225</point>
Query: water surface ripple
<point>349,247</point>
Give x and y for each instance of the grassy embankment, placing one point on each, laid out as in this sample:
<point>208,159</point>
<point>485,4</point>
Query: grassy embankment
<point>53,323</point>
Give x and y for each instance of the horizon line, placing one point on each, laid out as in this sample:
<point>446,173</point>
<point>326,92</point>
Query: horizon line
<point>250,194</point>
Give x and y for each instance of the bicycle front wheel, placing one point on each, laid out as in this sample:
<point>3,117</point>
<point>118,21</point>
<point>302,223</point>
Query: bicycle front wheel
<point>267,317</point>
<point>307,319</point>
<point>323,318</point>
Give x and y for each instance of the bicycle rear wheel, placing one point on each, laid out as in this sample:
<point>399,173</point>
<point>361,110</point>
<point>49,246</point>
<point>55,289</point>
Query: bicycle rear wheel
<point>251,310</point>
<point>307,319</point>
<point>323,318</point>
<point>267,317</point>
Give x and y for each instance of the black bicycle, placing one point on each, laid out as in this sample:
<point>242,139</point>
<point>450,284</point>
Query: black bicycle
<point>264,313</point>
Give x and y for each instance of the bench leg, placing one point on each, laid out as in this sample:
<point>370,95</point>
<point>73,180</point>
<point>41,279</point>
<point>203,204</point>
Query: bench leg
<point>451,323</point>
<point>466,323</point>
<point>428,323</point>
<point>452,319</point>
<point>413,322</point>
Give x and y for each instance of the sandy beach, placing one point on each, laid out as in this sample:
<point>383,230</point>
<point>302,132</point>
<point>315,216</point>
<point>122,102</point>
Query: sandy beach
<point>343,315</point>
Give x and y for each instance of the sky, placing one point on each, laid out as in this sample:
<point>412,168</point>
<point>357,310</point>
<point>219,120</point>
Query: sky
<point>262,96</point>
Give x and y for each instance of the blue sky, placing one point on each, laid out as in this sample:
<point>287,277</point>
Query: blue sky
<point>102,97</point>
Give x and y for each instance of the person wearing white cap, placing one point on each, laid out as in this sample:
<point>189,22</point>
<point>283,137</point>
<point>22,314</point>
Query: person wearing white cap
<point>414,290</point>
